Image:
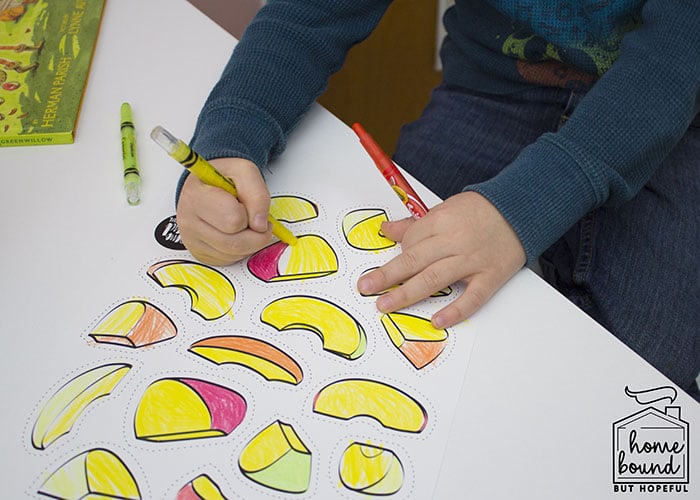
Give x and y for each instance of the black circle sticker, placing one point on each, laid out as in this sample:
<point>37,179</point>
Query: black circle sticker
<point>167,234</point>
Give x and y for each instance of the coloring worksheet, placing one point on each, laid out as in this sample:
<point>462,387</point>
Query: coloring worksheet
<point>270,378</point>
<point>132,371</point>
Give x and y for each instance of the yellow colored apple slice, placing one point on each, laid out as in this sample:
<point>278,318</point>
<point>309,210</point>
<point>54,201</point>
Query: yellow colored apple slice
<point>259,356</point>
<point>415,337</point>
<point>278,459</point>
<point>292,208</point>
<point>362,229</point>
<point>175,409</point>
<point>392,408</point>
<point>371,470</point>
<point>63,408</point>
<point>440,293</point>
<point>340,332</point>
<point>200,488</point>
<point>310,257</point>
<point>211,292</point>
<point>97,473</point>
<point>136,323</point>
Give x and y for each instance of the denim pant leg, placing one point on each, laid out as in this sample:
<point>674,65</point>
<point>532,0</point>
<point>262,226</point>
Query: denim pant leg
<point>464,138</point>
<point>636,268</point>
<point>633,268</point>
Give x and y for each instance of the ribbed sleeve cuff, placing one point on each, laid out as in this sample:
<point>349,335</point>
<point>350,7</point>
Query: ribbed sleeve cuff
<point>542,193</point>
<point>236,128</point>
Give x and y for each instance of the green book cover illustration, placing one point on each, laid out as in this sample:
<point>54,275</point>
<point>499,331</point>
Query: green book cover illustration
<point>45,51</point>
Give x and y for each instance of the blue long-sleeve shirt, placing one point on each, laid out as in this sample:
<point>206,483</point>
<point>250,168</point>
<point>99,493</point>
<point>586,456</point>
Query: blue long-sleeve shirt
<point>639,62</point>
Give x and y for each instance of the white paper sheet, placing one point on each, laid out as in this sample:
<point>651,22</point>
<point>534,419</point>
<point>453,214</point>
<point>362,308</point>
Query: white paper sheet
<point>98,370</point>
<point>132,395</point>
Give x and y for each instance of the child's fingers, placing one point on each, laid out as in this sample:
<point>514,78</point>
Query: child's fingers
<point>479,290</point>
<point>214,224</point>
<point>421,285</point>
<point>252,191</point>
<point>200,203</point>
<point>408,263</point>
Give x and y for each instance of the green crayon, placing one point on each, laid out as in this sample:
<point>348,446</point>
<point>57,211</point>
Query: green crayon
<point>132,178</point>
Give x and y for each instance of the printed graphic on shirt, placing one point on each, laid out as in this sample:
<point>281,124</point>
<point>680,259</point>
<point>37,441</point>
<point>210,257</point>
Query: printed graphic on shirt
<point>550,43</point>
<point>539,62</point>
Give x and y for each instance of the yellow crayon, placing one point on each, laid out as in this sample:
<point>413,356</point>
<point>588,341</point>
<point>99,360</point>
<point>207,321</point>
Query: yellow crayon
<point>206,172</point>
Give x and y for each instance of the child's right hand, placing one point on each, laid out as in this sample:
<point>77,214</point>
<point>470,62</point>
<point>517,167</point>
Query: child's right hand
<point>218,228</point>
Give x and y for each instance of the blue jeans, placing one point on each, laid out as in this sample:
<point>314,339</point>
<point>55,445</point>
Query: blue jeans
<point>635,269</point>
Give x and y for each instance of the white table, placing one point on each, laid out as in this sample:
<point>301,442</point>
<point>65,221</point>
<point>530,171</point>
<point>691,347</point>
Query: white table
<point>544,384</point>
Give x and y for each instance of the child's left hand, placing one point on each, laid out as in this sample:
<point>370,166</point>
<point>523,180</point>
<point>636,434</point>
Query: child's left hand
<point>464,238</point>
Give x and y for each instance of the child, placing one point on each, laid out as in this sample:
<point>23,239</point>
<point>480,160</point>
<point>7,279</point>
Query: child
<point>561,131</point>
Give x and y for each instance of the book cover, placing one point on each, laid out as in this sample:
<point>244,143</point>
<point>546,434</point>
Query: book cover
<point>45,51</point>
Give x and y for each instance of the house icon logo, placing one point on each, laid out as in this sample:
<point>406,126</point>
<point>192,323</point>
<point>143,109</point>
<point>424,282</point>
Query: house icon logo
<point>650,447</point>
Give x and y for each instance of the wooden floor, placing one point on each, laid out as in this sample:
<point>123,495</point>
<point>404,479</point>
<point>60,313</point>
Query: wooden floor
<point>386,80</point>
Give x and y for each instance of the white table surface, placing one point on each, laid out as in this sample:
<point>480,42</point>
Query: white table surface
<point>544,384</point>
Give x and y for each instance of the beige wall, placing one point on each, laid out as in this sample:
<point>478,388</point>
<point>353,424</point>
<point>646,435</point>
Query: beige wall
<point>232,15</point>
<point>386,80</point>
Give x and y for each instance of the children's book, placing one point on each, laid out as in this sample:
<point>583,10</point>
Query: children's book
<point>45,51</point>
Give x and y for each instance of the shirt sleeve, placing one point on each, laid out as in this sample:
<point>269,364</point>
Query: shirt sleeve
<point>280,66</point>
<point>617,137</point>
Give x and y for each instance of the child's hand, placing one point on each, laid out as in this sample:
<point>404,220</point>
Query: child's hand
<point>464,238</point>
<point>217,228</point>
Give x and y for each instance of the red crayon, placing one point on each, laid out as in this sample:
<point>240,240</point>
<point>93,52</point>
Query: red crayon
<point>391,173</point>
